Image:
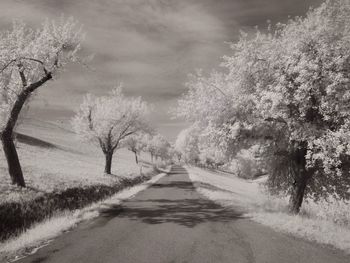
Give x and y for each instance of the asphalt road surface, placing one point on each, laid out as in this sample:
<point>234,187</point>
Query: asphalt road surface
<point>170,222</point>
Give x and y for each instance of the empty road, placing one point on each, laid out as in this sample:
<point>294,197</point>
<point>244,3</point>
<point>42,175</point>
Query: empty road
<point>170,222</point>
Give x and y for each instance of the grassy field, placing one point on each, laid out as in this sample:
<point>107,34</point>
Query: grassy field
<point>65,184</point>
<point>62,175</point>
<point>326,222</point>
<point>41,234</point>
<point>54,159</point>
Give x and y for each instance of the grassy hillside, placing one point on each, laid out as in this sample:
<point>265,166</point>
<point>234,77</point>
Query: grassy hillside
<point>326,221</point>
<point>62,175</point>
<point>53,158</point>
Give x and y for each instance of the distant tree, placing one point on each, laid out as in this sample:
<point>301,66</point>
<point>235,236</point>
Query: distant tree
<point>187,144</point>
<point>157,146</point>
<point>177,155</point>
<point>135,144</point>
<point>29,58</point>
<point>210,155</point>
<point>109,120</point>
<point>172,154</point>
<point>150,146</point>
<point>162,147</point>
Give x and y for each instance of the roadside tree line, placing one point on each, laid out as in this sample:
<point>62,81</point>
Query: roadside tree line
<point>115,121</point>
<point>30,58</point>
<point>284,95</point>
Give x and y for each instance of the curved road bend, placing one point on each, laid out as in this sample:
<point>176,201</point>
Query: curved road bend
<point>170,222</point>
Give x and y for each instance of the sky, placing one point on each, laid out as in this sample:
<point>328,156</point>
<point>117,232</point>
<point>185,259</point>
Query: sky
<point>148,45</point>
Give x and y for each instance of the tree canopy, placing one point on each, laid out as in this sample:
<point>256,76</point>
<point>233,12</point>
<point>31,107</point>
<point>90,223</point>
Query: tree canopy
<point>288,90</point>
<point>29,58</point>
<point>108,120</point>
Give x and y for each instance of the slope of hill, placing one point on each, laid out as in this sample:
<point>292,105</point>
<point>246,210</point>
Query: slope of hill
<point>325,221</point>
<point>53,158</point>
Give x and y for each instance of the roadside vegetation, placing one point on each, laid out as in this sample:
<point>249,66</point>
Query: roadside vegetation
<point>58,173</point>
<point>278,106</point>
<point>66,176</point>
<point>326,221</point>
<point>40,234</point>
<point>277,114</point>
<point>108,121</point>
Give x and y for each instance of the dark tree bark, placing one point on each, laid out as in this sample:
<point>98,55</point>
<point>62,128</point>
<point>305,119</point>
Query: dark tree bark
<point>136,158</point>
<point>298,192</point>
<point>301,179</point>
<point>108,164</point>
<point>14,166</point>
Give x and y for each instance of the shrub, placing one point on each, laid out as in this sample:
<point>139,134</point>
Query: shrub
<point>18,216</point>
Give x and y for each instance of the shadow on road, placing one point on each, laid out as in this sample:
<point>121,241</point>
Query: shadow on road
<point>173,201</point>
<point>186,212</point>
<point>179,185</point>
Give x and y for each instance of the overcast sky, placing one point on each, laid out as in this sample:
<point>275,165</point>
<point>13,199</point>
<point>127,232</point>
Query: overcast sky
<point>149,45</point>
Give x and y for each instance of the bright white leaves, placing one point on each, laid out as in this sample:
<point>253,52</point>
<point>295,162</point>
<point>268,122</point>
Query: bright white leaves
<point>187,144</point>
<point>108,120</point>
<point>135,143</point>
<point>289,86</point>
<point>196,144</point>
<point>157,146</point>
<point>35,53</point>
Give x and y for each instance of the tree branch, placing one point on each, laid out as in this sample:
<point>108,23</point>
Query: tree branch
<point>32,87</point>
<point>91,127</point>
<point>21,99</point>
<point>38,61</point>
<point>22,75</point>
<point>122,135</point>
<point>279,119</point>
<point>7,65</point>
<point>25,58</point>
<point>220,90</point>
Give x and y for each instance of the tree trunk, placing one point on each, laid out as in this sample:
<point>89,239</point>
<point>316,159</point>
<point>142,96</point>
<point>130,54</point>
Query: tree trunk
<point>108,164</point>
<point>301,179</point>
<point>297,194</point>
<point>136,158</point>
<point>14,166</point>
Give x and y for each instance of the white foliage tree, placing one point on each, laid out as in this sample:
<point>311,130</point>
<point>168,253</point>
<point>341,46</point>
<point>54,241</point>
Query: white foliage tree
<point>29,58</point>
<point>187,144</point>
<point>107,121</point>
<point>157,146</point>
<point>289,91</point>
<point>162,147</point>
<point>135,143</point>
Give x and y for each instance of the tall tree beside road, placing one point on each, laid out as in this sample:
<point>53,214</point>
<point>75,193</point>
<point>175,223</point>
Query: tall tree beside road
<point>29,58</point>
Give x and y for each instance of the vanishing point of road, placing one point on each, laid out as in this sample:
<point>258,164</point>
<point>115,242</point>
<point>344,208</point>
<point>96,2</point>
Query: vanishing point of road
<point>170,222</point>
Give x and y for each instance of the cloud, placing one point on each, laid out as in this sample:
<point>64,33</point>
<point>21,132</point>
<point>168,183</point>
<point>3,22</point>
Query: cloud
<point>149,45</point>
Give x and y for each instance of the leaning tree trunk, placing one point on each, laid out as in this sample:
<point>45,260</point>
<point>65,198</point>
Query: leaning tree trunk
<point>14,166</point>
<point>108,163</point>
<point>301,178</point>
<point>136,158</point>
